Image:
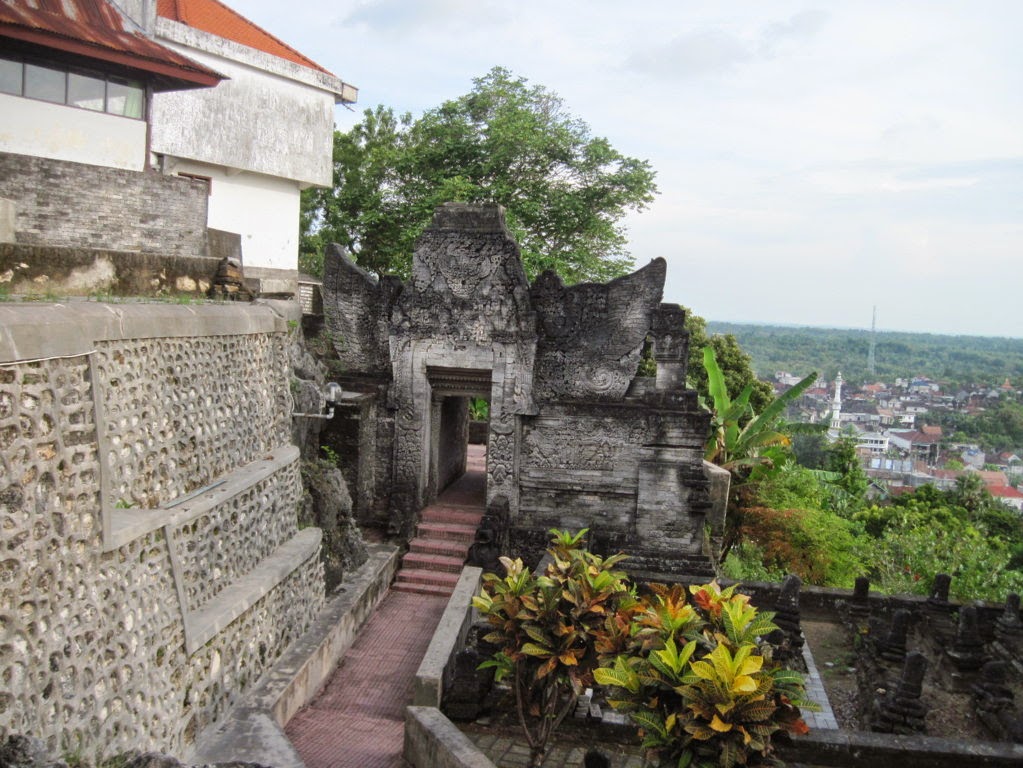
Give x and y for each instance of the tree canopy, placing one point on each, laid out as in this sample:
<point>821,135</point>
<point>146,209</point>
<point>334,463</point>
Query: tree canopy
<point>565,191</point>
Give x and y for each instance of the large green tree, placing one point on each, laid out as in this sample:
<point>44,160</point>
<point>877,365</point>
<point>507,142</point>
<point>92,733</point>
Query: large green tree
<point>565,191</point>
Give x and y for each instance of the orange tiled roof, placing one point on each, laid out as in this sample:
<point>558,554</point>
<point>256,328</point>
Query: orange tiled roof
<point>94,30</point>
<point>1005,492</point>
<point>217,19</point>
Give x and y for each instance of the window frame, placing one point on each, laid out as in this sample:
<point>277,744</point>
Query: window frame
<point>68,69</point>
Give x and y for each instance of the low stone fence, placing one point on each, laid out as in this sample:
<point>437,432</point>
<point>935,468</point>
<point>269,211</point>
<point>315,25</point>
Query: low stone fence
<point>449,637</point>
<point>433,741</point>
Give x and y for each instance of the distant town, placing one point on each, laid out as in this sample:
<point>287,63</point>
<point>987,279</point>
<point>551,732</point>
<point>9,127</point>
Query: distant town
<point>898,431</point>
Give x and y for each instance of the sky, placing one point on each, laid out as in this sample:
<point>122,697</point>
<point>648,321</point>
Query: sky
<point>814,160</point>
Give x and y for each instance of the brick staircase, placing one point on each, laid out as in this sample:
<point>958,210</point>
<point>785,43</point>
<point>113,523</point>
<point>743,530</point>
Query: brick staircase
<point>445,532</point>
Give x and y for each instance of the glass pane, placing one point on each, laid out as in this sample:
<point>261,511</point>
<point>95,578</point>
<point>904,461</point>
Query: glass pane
<point>125,98</point>
<point>85,91</point>
<point>10,77</point>
<point>45,83</point>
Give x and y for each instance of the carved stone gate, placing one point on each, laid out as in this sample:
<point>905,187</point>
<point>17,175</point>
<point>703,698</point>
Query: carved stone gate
<point>576,439</point>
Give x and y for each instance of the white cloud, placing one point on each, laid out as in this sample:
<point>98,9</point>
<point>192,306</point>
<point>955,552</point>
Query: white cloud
<point>797,150</point>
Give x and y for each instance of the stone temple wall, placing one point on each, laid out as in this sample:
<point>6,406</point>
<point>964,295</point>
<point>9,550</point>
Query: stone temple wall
<point>576,439</point>
<point>150,565</point>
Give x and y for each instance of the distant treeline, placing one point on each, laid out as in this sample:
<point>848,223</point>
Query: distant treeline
<point>958,361</point>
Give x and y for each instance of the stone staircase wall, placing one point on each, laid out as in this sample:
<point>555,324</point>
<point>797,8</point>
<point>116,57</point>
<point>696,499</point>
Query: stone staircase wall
<point>151,567</point>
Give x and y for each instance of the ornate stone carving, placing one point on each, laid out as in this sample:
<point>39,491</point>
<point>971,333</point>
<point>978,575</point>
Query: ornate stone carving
<point>592,334</point>
<point>357,307</point>
<point>581,443</point>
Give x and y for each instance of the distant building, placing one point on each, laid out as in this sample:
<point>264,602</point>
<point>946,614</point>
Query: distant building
<point>918,444</point>
<point>1009,496</point>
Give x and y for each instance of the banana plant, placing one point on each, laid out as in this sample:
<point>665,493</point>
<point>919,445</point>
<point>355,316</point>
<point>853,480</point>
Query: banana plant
<point>737,434</point>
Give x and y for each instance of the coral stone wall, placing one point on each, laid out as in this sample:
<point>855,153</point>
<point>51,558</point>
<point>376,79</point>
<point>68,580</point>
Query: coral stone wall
<point>181,412</point>
<point>128,628</point>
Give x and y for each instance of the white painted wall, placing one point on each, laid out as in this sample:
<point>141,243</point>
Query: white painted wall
<point>58,132</point>
<point>262,209</point>
<point>271,116</point>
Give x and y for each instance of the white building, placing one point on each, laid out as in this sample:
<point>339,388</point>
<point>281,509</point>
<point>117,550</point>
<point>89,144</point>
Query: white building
<point>259,138</point>
<point>188,87</point>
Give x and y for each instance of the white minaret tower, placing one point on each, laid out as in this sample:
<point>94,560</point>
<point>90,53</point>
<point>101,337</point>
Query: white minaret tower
<point>836,405</point>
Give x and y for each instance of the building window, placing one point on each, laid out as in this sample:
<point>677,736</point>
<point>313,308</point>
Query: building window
<point>11,73</point>
<point>45,84</point>
<point>86,91</point>
<point>125,97</point>
<point>76,88</point>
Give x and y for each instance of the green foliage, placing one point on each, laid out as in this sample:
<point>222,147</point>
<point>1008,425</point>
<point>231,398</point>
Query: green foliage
<point>479,409</point>
<point>697,678</point>
<point>735,364</point>
<point>962,532</point>
<point>330,455</point>
<point>998,428</point>
<point>735,441</point>
<point>565,191</point>
<point>848,483</point>
<point>747,562</point>
<point>547,628</point>
<point>818,546</point>
<point>958,360</point>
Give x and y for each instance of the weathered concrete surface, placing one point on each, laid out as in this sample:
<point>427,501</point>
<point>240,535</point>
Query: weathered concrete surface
<point>254,731</point>
<point>448,638</point>
<point>433,741</point>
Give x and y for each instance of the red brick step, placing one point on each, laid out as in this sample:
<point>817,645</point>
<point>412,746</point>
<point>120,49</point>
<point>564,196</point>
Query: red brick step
<point>433,546</point>
<point>448,531</point>
<point>428,562</point>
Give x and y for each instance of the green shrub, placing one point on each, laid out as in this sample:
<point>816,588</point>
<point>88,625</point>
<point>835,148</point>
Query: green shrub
<point>698,679</point>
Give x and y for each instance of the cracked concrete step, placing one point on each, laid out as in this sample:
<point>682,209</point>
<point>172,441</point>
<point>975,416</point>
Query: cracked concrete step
<point>430,562</point>
<point>448,531</point>
<point>432,546</point>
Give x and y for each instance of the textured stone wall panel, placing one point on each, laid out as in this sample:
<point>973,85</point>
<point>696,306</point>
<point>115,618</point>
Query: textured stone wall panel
<point>182,412</point>
<point>226,667</point>
<point>218,547</point>
<point>73,204</point>
<point>92,647</point>
<point>86,639</point>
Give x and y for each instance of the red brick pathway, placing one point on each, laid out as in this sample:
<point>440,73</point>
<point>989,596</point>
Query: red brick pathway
<point>357,721</point>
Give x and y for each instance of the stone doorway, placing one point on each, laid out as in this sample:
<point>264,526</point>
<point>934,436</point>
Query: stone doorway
<point>452,389</point>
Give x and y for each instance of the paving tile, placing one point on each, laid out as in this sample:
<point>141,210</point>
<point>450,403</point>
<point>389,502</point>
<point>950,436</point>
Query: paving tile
<point>357,721</point>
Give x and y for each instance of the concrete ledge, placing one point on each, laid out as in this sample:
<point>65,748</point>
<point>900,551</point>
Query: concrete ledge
<point>126,525</point>
<point>433,741</point>
<point>254,730</point>
<point>851,749</point>
<point>233,601</point>
<point>447,639</point>
<point>66,329</point>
